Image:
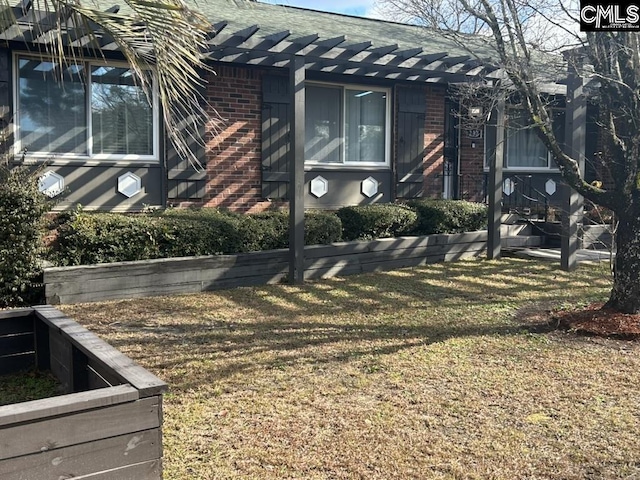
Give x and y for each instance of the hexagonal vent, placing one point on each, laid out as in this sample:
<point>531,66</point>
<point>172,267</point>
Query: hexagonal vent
<point>508,186</point>
<point>51,184</point>
<point>129,184</point>
<point>550,187</point>
<point>370,187</point>
<point>319,186</point>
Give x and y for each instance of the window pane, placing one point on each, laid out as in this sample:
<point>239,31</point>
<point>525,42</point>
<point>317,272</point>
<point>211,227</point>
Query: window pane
<point>51,107</point>
<point>121,117</point>
<point>322,124</point>
<point>524,148</point>
<point>365,126</point>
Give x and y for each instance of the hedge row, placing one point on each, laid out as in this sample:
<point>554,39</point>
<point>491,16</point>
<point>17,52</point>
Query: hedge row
<point>417,217</point>
<point>448,216</point>
<point>86,238</point>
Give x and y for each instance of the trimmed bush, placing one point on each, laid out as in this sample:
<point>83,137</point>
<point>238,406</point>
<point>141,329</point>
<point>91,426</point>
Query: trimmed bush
<point>265,231</point>
<point>448,216</point>
<point>321,228</point>
<point>382,220</point>
<point>87,238</point>
<point>22,210</point>
<point>205,231</point>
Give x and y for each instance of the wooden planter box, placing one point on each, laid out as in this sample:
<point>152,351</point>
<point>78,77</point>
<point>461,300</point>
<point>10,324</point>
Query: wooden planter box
<point>108,425</point>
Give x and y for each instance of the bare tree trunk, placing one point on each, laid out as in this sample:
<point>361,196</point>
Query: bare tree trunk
<point>625,294</point>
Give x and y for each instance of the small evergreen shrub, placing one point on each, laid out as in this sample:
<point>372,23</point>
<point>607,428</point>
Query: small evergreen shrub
<point>322,228</point>
<point>448,216</point>
<point>265,231</point>
<point>382,220</point>
<point>89,238</point>
<point>22,210</point>
<point>200,232</point>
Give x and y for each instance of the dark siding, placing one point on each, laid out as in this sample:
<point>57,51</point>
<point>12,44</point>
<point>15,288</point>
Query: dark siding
<point>410,145</point>
<point>276,126</point>
<point>6,136</point>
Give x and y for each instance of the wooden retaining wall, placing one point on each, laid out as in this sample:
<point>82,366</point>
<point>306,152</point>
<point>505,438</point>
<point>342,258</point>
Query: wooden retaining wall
<point>195,274</point>
<point>106,424</point>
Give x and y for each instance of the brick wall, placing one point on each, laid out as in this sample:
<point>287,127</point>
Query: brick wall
<point>434,141</point>
<point>233,150</point>
<point>471,167</point>
<point>233,145</point>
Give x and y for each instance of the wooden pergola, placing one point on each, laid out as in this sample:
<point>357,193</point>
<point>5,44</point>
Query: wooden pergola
<point>336,55</point>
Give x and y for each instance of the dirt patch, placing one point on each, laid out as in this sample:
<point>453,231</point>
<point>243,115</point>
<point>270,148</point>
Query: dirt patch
<point>597,320</point>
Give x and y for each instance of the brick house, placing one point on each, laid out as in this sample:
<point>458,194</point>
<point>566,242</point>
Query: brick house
<point>379,121</point>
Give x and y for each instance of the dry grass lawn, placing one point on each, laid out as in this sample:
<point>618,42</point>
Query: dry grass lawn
<point>426,373</point>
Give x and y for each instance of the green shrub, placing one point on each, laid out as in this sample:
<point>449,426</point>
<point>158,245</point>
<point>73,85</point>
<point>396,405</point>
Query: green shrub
<point>200,232</point>
<point>448,216</point>
<point>265,231</point>
<point>376,221</point>
<point>22,210</point>
<point>87,238</point>
<point>321,228</point>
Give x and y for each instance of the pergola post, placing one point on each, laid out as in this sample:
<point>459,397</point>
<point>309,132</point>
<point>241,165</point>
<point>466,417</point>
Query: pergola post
<point>494,184</point>
<point>296,172</point>
<point>575,128</point>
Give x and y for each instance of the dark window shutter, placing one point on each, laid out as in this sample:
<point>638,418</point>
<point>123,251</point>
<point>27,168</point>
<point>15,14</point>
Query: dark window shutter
<point>410,148</point>
<point>184,181</point>
<point>276,148</point>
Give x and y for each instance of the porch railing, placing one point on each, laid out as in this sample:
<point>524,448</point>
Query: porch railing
<point>520,195</point>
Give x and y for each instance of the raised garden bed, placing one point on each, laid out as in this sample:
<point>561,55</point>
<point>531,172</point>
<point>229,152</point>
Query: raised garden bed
<point>106,425</point>
<point>168,276</point>
<point>27,385</point>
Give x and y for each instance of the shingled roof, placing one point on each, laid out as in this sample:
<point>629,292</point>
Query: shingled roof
<point>264,34</point>
<point>254,33</point>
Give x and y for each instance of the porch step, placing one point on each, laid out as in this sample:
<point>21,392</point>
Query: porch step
<point>515,230</point>
<point>521,241</point>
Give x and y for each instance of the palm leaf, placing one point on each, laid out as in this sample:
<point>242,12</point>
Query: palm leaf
<point>166,36</point>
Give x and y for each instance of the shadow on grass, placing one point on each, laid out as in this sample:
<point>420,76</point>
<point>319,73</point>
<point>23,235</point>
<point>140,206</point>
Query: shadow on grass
<point>217,335</point>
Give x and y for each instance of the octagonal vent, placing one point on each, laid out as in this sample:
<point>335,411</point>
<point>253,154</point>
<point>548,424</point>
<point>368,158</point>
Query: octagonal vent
<point>369,187</point>
<point>550,187</point>
<point>129,184</point>
<point>319,186</point>
<point>50,183</point>
<point>508,186</point>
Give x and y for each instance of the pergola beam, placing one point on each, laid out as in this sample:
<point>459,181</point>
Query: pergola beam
<point>321,47</point>
<point>247,46</point>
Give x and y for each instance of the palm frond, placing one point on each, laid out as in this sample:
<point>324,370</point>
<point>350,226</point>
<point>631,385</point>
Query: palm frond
<point>166,36</point>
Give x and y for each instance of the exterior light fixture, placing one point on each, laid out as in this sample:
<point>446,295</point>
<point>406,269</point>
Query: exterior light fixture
<point>475,112</point>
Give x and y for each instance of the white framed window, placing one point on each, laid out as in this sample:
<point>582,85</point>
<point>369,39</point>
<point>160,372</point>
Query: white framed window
<point>524,150</point>
<point>347,125</point>
<point>82,110</point>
